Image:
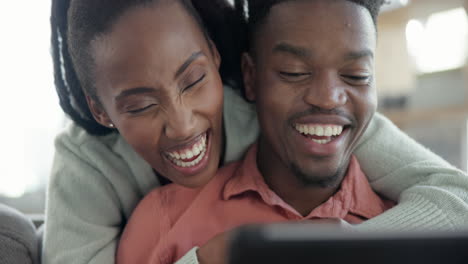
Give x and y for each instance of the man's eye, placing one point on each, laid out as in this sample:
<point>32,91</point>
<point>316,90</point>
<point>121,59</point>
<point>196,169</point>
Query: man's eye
<point>294,76</point>
<point>357,79</point>
<point>195,82</point>
<point>141,109</point>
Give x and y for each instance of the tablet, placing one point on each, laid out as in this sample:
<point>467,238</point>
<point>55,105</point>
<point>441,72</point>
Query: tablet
<point>303,243</point>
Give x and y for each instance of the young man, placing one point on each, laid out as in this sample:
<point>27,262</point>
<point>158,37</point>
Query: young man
<point>313,84</point>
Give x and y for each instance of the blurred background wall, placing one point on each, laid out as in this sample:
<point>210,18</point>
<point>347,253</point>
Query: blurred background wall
<point>422,73</point>
<point>421,78</point>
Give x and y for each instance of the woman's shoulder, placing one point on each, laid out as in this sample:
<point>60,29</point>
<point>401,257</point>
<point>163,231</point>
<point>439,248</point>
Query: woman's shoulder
<point>80,154</point>
<point>76,141</point>
<point>109,155</point>
<point>74,136</point>
<point>240,123</point>
<point>234,102</point>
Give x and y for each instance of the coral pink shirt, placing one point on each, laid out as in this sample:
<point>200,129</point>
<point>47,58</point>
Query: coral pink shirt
<point>173,219</point>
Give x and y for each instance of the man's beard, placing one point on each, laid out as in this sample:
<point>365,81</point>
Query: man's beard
<point>332,180</point>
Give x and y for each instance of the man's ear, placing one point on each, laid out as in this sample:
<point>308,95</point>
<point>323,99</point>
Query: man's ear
<point>98,112</point>
<point>249,74</point>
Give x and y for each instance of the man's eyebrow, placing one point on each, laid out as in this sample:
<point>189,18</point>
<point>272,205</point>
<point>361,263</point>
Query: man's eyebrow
<point>292,49</point>
<point>187,63</point>
<point>133,91</point>
<point>355,55</point>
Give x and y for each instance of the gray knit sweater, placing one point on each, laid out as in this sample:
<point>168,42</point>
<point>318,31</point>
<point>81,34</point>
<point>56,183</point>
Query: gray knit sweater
<point>96,183</point>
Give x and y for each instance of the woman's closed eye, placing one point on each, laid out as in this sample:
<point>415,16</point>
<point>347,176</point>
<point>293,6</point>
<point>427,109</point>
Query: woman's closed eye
<point>140,109</point>
<point>188,87</point>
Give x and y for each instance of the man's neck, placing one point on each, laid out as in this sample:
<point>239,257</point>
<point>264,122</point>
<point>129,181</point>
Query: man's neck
<point>303,198</point>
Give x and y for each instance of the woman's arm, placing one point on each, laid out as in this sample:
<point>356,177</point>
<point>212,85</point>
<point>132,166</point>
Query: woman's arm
<point>95,184</point>
<point>431,193</point>
<point>83,216</point>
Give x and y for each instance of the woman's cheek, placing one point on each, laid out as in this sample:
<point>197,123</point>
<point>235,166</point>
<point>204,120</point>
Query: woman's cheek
<point>142,134</point>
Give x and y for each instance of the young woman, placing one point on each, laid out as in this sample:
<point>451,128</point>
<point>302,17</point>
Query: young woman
<point>142,87</point>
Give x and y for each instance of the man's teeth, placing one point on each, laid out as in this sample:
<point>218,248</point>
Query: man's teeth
<point>178,157</point>
<point>322,141</point>
<point>318,130</point>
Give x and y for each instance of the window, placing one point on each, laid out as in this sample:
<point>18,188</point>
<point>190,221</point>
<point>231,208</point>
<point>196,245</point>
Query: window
<point>29,109</point>
<point>440,44</point>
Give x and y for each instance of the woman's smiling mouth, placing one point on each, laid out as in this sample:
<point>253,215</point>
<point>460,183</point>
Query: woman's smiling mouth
<point>190,155</point>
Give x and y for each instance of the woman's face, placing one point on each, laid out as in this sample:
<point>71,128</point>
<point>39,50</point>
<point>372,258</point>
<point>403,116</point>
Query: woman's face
<point>158,82</point>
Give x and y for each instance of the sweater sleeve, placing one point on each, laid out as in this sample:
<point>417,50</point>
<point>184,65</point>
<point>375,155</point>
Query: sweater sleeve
<point>189,258</point>
<point>83,217</point>
<point>431,193</point>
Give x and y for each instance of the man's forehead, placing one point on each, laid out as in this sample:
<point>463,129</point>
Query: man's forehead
<point>304,53</point>
<point>311,23</point>
<point>312,15</point>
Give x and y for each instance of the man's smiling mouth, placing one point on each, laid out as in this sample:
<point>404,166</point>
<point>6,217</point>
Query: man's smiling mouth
<point>319,133</point>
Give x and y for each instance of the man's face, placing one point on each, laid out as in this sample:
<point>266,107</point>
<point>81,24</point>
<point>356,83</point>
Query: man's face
<point>311,74</point>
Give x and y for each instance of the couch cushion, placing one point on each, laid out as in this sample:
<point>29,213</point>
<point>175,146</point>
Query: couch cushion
<point>18,239</point>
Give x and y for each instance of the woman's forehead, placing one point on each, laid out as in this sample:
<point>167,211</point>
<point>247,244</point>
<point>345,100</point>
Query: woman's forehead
<point>165,32</point>
<point>148,41</point>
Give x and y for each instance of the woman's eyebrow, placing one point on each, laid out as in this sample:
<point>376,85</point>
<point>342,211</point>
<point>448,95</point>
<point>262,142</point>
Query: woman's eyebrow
<point>133,91</point>
<point>187,63</point>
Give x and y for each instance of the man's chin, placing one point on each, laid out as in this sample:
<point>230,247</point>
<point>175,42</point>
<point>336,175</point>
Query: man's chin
<point>314,178</point>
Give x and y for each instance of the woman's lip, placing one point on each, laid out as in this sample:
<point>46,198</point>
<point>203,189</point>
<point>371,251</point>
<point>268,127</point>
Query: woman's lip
<point>190,143</point>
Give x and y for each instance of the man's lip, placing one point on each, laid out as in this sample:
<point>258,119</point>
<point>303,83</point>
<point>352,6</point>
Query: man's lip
<point>322,150</point>
<point>323,119</point>
<point>187,143</point>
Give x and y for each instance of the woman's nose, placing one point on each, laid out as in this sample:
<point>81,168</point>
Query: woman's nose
<point>180,123</point>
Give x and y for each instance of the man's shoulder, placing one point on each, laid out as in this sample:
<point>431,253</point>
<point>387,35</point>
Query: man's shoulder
<point>174,199</point>
<point>168,202</point>
<point>169,195</point>
<point>172,194</point>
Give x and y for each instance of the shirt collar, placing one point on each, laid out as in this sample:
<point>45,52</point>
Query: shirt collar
<point>354,196</point>
<point>246,178</point>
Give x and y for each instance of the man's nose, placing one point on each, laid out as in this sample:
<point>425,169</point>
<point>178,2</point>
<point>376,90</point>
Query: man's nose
<point>326,91</point>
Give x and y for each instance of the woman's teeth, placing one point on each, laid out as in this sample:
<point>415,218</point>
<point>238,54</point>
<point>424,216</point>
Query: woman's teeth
<point>321,131</point>
<point>183,158</point>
